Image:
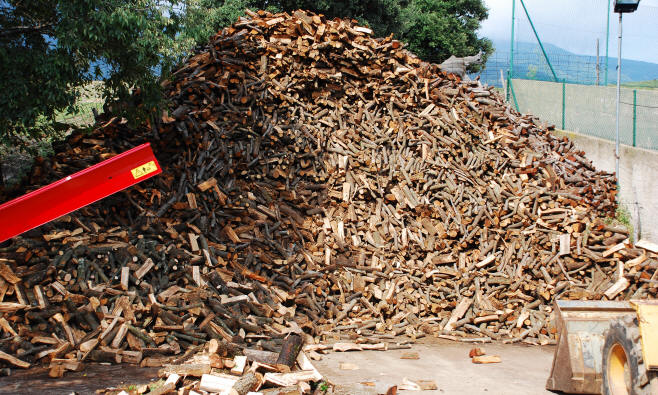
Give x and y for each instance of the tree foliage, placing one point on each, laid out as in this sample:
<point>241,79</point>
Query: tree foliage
<point>50,47</point>
<point>435,29</point>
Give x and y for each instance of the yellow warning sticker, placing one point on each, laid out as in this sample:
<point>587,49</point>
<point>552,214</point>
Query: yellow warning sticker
<point>146,168</point>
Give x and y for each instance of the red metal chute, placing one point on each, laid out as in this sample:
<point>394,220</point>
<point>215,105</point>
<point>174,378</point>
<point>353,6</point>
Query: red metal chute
<point>77,190</point>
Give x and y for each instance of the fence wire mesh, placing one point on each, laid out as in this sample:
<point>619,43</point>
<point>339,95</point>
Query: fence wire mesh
<point>575,69</point>
<point>591,110</point>
<point>575,89</point>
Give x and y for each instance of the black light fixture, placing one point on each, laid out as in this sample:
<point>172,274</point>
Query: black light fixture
<point>623,6</point>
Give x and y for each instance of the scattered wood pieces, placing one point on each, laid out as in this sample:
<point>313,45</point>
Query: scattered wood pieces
<point>217,383</point>
<point>190,369</point>
<point>619,286</point>
<point>240,362</point>
<point>485,359</point>
<point>292,345</point>
<point>647,245</point>
<point>289,379</point>
<point>427,385</point>
<point>13,360</point>
<point>342,347</point>
<point>246,384</point>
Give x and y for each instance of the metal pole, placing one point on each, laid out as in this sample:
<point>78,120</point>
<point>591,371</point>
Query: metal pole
<point>607,39</point>
<point>539,41</point>
<point>634,114</point>
<point>516,103</point>
<point>563,102</point>
<point>511,53</point>
<point>598,66</point>
<point>618,96</point>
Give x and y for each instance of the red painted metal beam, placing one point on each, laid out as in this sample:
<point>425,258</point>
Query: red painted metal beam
<point>77,190</point>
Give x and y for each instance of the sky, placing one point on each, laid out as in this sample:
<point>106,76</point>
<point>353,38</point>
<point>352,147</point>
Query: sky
<point>575,25</point>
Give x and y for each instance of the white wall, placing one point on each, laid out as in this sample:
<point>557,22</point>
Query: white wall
<point>638,180</point>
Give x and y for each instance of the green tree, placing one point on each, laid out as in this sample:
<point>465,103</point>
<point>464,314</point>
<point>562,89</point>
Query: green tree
<point>437,29</point>
<point>50,47</point>
<point>204,18</point>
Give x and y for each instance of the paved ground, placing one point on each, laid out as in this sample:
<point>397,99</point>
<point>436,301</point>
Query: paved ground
<point>523,370</point>
<point>95,376</point>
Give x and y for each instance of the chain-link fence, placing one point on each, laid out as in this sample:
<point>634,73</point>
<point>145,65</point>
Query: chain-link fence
<point>575,69</point>
<point>591,110</point>
<point>565,77</point>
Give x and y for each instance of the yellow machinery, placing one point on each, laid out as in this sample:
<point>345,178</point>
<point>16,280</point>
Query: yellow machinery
<point>606,347</point>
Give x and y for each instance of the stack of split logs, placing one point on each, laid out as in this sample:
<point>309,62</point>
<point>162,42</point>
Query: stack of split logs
<point>321,181</point>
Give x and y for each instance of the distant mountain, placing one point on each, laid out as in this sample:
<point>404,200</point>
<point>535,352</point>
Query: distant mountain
<point>529,63</point>
<point>529,47</point>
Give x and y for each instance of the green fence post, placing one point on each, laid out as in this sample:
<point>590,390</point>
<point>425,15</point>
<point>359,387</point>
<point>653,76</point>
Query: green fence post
<point>510,72</point>
<point>511,88</point>
<point>634,114</point>
<point>532,25</point>
<point>563,102</point>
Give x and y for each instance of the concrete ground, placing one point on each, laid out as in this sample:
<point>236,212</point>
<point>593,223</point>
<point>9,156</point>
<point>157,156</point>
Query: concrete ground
<point>35,381</point>
<point>523,370</point>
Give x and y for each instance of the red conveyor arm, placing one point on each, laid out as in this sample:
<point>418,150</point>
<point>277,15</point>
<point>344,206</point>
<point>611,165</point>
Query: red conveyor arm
<point>77,190</point>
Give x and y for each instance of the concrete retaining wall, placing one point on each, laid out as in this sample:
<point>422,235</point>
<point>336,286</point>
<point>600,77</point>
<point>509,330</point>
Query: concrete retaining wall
<point>638,180</point>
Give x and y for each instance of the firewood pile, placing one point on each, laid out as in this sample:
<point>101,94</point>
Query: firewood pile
<point>318,181</point>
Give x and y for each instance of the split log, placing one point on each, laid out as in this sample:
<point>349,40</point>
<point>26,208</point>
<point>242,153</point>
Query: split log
<point>247,383</point>
<point>288,354</point>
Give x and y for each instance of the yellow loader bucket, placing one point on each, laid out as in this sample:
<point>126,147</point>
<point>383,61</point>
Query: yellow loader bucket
<point>578,360</point>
